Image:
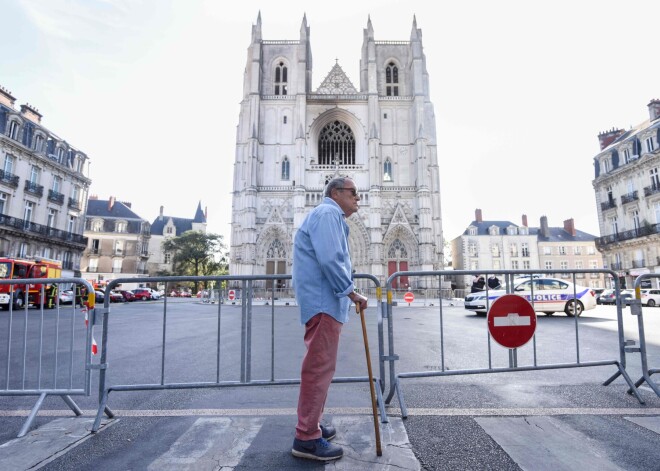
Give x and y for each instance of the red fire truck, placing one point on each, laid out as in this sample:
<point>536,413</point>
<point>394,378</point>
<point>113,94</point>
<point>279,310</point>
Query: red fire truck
<point>16,268</point>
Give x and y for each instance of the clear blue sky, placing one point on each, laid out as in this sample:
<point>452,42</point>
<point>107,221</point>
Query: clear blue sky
<point>150,90</point>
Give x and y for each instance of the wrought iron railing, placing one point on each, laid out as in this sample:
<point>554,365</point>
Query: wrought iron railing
<point>34,228</point>
<point>629,197</point>
<point>646,230</point>
<point>55,197</point>
<point>605,205</point>
<point>9,178</point>
<point>34,188</point>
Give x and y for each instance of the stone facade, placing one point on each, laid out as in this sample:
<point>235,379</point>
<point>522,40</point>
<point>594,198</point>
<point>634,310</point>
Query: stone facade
<point>43,189</point>
<point>292,140</point>
<point>627,188</point>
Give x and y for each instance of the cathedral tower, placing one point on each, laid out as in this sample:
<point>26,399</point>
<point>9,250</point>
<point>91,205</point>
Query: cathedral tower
<point>291,140</point>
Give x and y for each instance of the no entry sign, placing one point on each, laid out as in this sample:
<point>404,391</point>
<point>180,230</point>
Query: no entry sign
<point>231,294</point>
<point>511,321</point>
<point>409,297</point>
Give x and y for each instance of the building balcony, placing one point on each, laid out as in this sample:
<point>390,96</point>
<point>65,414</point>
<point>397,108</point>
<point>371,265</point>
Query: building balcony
<point>9,179</point>
<point>638,263</point>
<point>21,225</point>
<point>605,205</point>
<point>92,269</point>
<point>629,197</point>
<point>651,190</point>
<point>33,188</point>
<point>74,204</point>
<point>55,197</point>
<point>647,230</point>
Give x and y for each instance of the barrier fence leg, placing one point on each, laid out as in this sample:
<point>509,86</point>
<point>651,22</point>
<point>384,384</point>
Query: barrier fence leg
<point>74,407</point>
<point>33,414</point>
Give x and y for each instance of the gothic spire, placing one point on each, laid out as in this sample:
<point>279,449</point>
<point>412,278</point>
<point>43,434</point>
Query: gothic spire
<point>256,29</point>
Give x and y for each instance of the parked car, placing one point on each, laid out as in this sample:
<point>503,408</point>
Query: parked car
<point>627,296</point>
<point>598,292</point>
<point>154,294</point>
<point>142,294</point>
<point>116,297</point>
<point>549,295</point>
<point>607,297</point>
<point>128,295</point>
<point>100,296</point>
<point>651,297</point>
<point>66,296</point>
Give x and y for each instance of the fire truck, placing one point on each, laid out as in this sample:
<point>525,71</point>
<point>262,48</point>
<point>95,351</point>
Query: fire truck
<point>17,268</point>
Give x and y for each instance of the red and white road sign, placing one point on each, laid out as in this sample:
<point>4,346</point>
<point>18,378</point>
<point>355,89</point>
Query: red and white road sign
<point>409,297</point>
<point>511,321</point>
<point>231,294</point>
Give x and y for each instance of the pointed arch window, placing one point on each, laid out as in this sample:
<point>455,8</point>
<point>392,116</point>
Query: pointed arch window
<point>336,144</point>
<point>276,263</point>
<point>281,79</point>
<point>397,260</point>
<point>387,171</point>
<point>392,80</point>
<point>285,168</point>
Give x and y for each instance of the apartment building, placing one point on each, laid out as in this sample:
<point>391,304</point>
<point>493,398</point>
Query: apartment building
<point>43,189</point>
<point>627,189</point>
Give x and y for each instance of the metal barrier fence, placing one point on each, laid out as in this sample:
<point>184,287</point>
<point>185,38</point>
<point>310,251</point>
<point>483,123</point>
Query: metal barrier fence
<point>636,310</point>
<point>244,284</point>
<point>47,346</point>
<point>572,307</point>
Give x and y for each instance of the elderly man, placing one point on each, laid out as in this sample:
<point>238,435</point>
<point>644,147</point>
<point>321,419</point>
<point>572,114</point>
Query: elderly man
<point>322,280</point>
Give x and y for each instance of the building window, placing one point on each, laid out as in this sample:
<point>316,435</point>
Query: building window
<point>655,181</point>
<point>525,249</point>
<point>591,250</point>
<point>472,231</point>
<point>547,250</point>
<point>71,224</point>
<point>606,165</point>
<point>60,155</point>
<point>285,169</point>
<point>29,210</point>
<point>387,170</point>
<point>526,265</point>
<point>649,144</point>
<point>548,264</point>
<point>97,225</point>
<point>9,164</point>
<point>38,143</point>
<point>562,250</point>
<point>22,250</point>
<point>52,215</point>
<point>119,247</point>
<point>495,250</point>
<point>116,265</point>
<point>656,210</point>
<point>336,144</point>
<point>14,127</point>
<point>167,257</point>
<point>626,156</point>
<point>34,174</point>
<point>281,79</point>
<point>472,249</point>
<point>284,120</point>
<point>563,265</point>
<point>57,184</point>
<point>513,249</point>
<point>120,226</point>
<point>4,197</point>
<point>96,245</point>
<point>169,230</point>
<point>391,80</point>
<point>634,216</point>
<point>577,250</point>
<point>514,264</point>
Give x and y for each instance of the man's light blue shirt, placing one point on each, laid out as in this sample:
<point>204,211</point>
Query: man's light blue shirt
<point>322,270</point>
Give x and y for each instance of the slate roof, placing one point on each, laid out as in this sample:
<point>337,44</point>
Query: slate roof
<point>556,234</point>
<point>181,224</point>
<point>99,208</point>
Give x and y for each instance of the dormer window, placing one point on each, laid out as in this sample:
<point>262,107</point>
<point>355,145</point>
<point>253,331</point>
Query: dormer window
<point>512,230</point>
<point>649,144</point>
<point>391,80</point>
<point>38,143</point>
<point>472,231</point>
<point>97,225</point>
<point>60,155</point>
<point>281,79</point>
<point>494,230</point>
<point>14,127</point>
<point>607,166</point>
<point>120,226</point>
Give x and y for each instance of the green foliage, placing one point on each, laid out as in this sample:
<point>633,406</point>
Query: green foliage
<point>197,254</point>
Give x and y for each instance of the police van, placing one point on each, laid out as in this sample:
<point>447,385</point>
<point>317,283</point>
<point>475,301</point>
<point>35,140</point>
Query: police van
<point>547,295</point>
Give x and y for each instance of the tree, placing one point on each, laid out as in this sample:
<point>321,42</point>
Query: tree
<point>196,253</point>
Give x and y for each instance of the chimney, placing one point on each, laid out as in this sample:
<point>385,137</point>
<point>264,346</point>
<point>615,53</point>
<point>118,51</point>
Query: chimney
<point>6,98</point>
<point>545,231</point>
<point>608,137</point>
<point>111,203</point>
<point>160,216</point>
<point>31,113</point>
<point>93,197</point>
<point>524,220</point>
<point>654,109</point>
<point>569,226</point>
<point>477,215</point>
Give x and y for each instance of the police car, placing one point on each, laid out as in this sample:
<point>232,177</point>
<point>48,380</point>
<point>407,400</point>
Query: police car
<point>547,295</point>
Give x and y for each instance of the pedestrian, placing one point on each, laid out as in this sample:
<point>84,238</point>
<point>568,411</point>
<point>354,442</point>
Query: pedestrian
<point>478,284</point>
<point>323,283</point>
<point>493,282</point>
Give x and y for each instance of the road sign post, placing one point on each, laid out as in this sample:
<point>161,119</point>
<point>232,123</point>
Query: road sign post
<point>511,322</point>
<point>409,297</point>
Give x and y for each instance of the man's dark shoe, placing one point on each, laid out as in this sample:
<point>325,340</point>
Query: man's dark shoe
<point>319,449</point>
<point>328,431</point>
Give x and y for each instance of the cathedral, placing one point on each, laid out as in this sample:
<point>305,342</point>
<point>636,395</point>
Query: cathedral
<point>291,140</point>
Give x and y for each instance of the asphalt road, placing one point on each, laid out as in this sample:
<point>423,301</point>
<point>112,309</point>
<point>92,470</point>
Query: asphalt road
<point>453,422</point>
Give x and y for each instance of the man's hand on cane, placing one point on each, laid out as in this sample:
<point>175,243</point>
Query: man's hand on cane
<point>359,300</point>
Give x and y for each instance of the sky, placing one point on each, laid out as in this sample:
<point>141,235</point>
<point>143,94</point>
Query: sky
<point>150,90</point>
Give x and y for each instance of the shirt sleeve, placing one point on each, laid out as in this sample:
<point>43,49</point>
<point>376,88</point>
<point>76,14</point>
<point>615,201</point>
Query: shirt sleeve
<point>329,241</point>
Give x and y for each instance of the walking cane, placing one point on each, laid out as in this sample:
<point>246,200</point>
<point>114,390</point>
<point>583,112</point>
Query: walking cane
<point>371,379</point>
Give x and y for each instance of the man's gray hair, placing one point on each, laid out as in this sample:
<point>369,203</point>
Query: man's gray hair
<point>337,182</point>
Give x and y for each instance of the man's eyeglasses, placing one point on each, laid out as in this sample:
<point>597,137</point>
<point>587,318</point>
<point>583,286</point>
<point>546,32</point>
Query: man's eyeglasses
<point>352,190</point>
